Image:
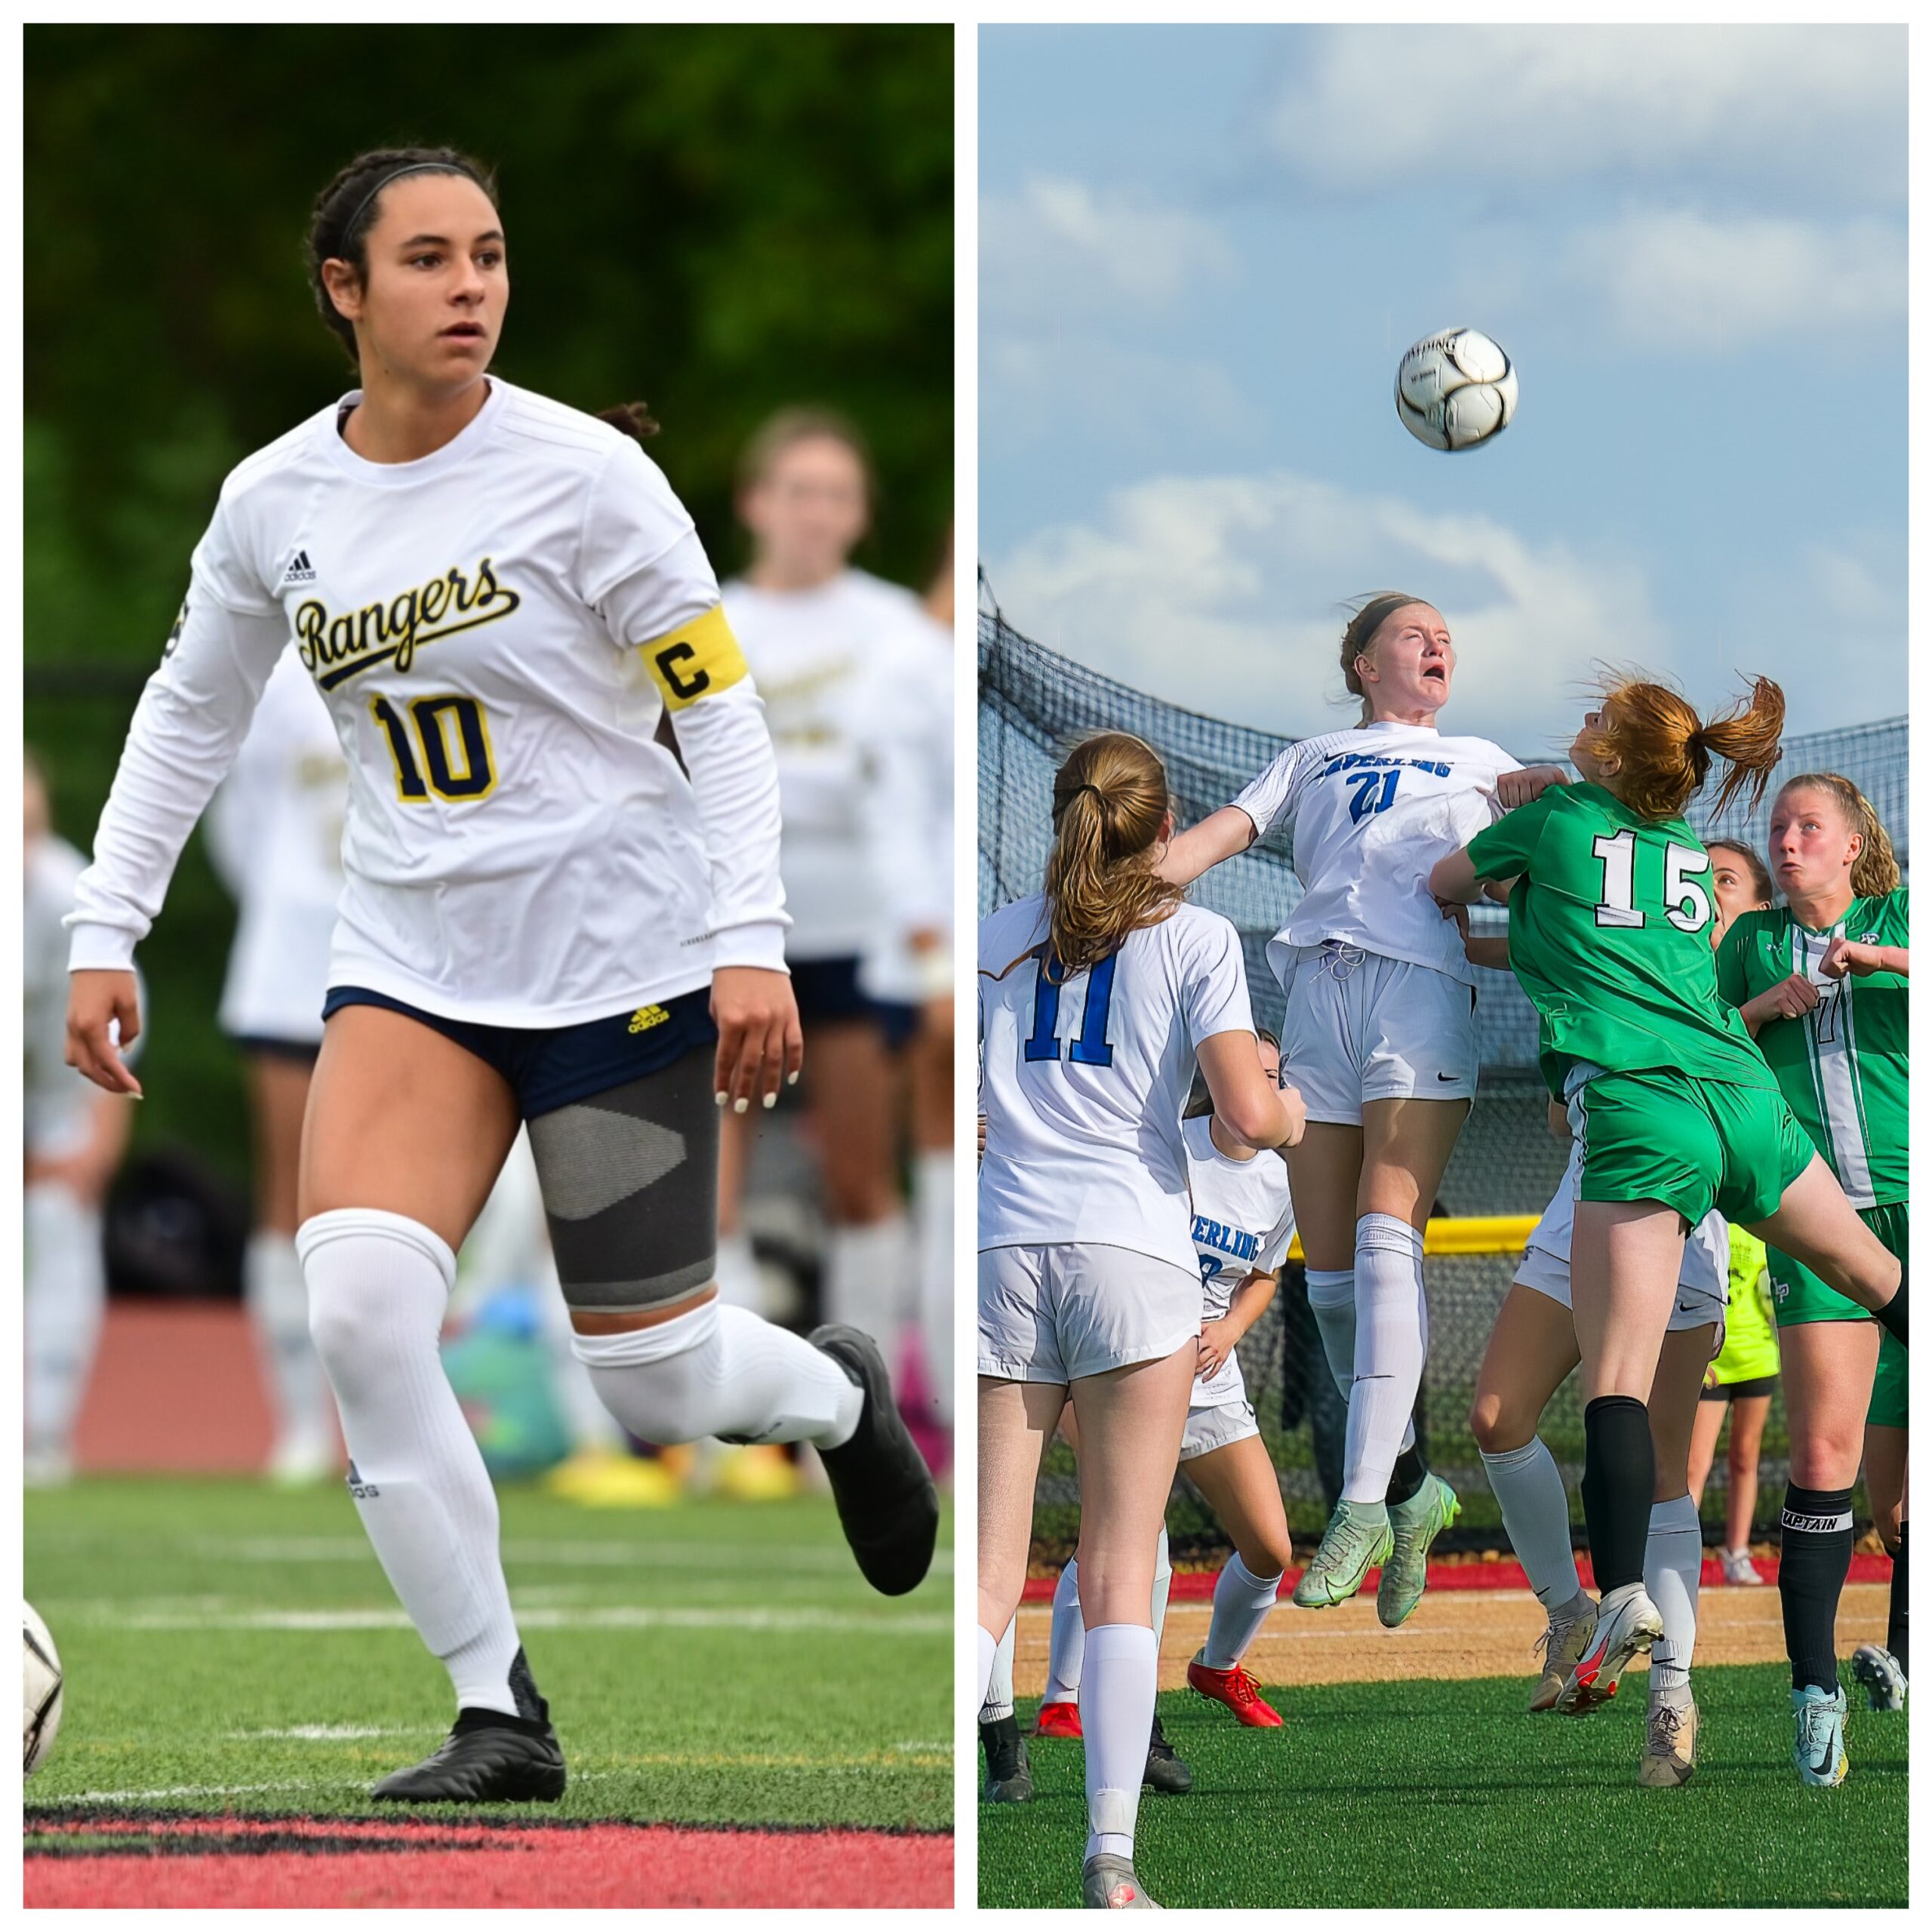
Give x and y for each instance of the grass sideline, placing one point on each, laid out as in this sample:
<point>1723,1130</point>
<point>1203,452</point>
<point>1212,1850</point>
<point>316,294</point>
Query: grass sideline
<point>1449,1793</point>
<point>709,1663</point>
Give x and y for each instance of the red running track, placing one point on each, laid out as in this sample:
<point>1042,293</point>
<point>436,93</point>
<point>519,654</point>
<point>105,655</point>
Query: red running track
<point>114,1860</point>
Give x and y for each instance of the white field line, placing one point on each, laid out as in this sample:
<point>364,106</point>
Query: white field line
<point>622,1617</point>
<point>321,1732</point>
<point>640,1554</point>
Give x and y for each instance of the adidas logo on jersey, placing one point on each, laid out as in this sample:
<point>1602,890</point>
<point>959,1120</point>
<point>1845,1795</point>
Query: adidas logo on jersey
<point>300,571</point>
<point>646,1018</point>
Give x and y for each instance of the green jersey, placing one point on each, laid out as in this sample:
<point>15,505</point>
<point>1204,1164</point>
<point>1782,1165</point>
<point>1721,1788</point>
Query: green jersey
<point>1610,934</point>
<point>1841,1069</point>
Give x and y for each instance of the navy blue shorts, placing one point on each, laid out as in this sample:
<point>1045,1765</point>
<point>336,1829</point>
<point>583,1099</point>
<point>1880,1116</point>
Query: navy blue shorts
<point>830,989</point>
<point>549,1067</point>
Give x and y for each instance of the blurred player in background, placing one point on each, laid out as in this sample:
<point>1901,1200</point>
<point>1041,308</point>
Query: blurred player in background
<point>846,665</point>
<point>274,833</point>
<point>1381,1035</point>
<point>74,1135</point>
<point>1677,1112</point>
<point>1822,983</point>
<point>1095,996</point>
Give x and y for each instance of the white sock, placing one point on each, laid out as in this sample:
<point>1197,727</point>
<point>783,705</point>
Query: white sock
<point>989,1651</point>
<point>997,1702</point>
<point>739,1284</point>
<point>1535,1511</point>
<point>1069,1639</point>
<point>1332,1300</point>
<point>278,1308</point>
<point>66,1294</point>
<point>1116,1718</point>
<point>721,1371</point>
<point>378,1284</point>
<point>932,1217</point>
<point>1242,1600</point>
<point>1673,1566</point>
<point>867,1270</point>
<point>1389,1350</point>
<point>1164,1577</point>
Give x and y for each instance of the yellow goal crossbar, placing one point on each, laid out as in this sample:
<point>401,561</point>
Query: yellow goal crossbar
<point>1468,1233</point>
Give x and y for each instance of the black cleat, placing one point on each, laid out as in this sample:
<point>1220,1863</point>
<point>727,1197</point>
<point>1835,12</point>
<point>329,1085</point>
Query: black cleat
<point>1165,1772</point>
<point>488,1758</point>
<point>1009,1776</point>
<point>888,1505</point>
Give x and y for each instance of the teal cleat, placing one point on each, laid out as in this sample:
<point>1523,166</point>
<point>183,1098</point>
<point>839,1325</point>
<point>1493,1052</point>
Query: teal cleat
<point>1357,1540</point>
<point>1818,1749</point>
<point>1413,1527</point>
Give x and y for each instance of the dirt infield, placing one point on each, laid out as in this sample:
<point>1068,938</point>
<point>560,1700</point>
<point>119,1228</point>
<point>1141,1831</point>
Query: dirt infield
<point>1454,1634</point>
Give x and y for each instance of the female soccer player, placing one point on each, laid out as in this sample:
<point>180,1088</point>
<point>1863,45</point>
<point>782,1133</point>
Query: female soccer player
<point>1095,997</point>
<point>1822,983</point>
<point>835,651</point>
<point>1532,1350</point>
<point>1609,926</point>
<point>542,919</point>
<point>275,831</point>
<point>1739,1381</point>
<point>1381,1034</point>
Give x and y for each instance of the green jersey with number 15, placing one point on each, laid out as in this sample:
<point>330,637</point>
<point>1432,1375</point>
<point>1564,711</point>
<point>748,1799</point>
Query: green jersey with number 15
<point>1610,934</point>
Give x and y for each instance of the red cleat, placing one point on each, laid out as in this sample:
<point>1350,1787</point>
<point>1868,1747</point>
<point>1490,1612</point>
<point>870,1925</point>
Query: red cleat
<point>1058,1721</point>
<point>1237,1690</point>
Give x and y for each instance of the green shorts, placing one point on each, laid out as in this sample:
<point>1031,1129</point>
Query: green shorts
<point>1798,1295</point>
<point>1693,1144</point>
<point>1888,1387</point>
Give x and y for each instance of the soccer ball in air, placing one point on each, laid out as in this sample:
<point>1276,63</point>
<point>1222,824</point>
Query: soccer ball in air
<point>42,1714</point>
<point>1456,389</point>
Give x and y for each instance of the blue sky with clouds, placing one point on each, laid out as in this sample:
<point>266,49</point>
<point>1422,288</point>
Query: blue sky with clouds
<point>1204,250</point>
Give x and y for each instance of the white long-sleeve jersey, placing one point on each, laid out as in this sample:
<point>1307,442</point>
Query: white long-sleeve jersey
<point>841,667</point>
<point>498,629</point>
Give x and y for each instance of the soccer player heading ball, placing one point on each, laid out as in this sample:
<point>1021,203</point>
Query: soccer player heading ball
<point>542,919</point>
<point>1677,1111</point>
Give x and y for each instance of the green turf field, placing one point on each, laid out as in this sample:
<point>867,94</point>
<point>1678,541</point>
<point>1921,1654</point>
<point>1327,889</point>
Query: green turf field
<point>1447,1794</point>
<point>226,1645</point>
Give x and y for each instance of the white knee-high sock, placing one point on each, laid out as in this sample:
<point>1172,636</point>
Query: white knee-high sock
<point>1535,1511</point>
<point>1164,1577</point>
<point>1390,1347</point>
<point>278,1306</point>
<point>932,1215</point>
<point>1332,1300</point>
<point>989,1652</point>
<point>997,1702</point>
<point>721,1371</point>
<point>1673,1567</point>
<point>66,1294</point>
<point>1242,1600</point>
<point>1116,1718</point>
<point>1068,1642</point>
<point>739,1284</point>
<point>868,1271</point>
<point>378,1284</point>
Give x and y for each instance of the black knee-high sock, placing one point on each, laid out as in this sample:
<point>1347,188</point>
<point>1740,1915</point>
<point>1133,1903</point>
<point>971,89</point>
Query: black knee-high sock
<point>1619,1469</point>
<point>1891,1317</point>
<point>1812,1564</point>
<point>1895,1626</point>
<point>1410,1470</point>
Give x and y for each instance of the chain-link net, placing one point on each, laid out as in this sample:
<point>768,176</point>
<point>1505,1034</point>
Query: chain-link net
<point>1034,705</point>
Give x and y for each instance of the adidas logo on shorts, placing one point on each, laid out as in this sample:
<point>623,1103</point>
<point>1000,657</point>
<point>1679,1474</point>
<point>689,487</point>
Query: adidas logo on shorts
<point>646,1018</point>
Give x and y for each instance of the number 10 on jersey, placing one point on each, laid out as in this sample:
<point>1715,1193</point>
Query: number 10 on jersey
<point>1090,1047</point>
<point>448,753</point>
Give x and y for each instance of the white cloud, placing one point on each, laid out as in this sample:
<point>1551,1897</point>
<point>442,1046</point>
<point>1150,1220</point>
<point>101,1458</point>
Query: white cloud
<point>1059,247</point>
<point>1044,389</point>
<point>1799,109</point>
<point>1222,593</point>
<point>1676,279</point>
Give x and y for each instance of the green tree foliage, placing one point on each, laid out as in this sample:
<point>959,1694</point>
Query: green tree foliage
<point>717,219</point>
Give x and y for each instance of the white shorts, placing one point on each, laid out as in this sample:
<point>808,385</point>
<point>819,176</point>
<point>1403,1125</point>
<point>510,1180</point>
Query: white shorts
<point>1214,1428</point>
<point>1360,1027</point>
<point>1056,1312</point>
<point>1703,1281</point>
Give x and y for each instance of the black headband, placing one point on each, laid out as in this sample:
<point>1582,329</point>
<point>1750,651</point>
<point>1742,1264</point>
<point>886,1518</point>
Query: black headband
<point>396,174</point>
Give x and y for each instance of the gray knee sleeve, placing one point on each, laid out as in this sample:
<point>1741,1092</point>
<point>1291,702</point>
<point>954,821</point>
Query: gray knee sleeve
<point>630,1189</point>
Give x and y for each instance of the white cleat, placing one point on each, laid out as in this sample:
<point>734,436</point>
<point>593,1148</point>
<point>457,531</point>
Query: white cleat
<point>1107,1884</point>
<point>1633,1626</point>
<point>1561,1644</point>
<point>1738,1568</point>
<point>1881,1676</point>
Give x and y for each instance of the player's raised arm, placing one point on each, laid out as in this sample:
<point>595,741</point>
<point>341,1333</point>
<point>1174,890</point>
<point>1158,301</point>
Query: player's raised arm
<point>1220,835</point>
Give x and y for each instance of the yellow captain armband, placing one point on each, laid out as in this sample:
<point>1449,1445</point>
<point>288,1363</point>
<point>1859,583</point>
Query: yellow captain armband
<point>695,659</point>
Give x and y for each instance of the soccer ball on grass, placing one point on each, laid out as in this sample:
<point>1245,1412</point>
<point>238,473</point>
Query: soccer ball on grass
<point>42,1712</point>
